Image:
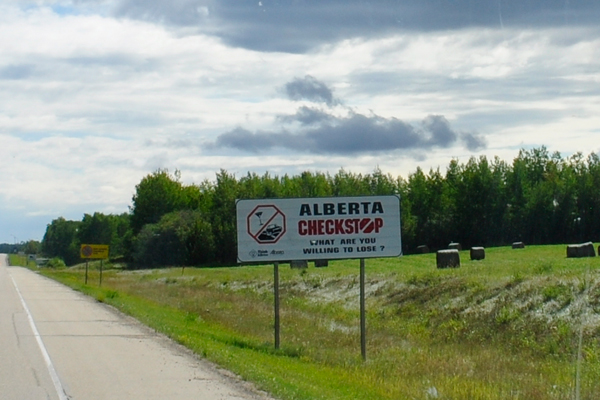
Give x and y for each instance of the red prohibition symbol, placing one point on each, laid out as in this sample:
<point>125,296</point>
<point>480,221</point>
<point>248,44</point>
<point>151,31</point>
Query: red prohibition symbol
<point>266,224</point>
<point>87,251</point>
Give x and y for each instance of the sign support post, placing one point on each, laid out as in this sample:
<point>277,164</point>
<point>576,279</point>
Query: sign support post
<point>101,264</point>
<point>323,228</point>
<point>363,320</point>
<point>276,294</point>
<point>93,251</point>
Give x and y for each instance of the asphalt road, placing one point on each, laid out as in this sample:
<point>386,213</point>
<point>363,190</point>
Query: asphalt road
<point>56,343</point>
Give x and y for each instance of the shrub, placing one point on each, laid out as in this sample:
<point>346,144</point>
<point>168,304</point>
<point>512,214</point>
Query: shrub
<point>56,263</point>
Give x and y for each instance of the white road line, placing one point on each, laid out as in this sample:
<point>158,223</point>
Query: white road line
<point>57,385</point>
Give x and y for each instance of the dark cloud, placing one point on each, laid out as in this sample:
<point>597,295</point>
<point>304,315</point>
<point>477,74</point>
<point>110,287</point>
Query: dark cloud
<point>246,140</point>
<point>309,88</point>
<point>322,132</point>
<point>352,134</point>
<point>474,142</point>
<point>297,26</point>
<point>307,116</point>
<point>16,72</point>
<point>439,127</point>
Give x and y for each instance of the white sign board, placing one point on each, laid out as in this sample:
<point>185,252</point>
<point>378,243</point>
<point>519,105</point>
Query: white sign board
<point>324,228</point>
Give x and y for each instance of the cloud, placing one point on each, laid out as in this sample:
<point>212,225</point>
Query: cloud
<point>307,116</point>
<point>439,127</point>
<point>354,133</point>
<point>474,142</point>
<point>297,27</point>
<point>317,131</point>
<point>170,12</point>
<point>309,88</point>
<point>16,72</point>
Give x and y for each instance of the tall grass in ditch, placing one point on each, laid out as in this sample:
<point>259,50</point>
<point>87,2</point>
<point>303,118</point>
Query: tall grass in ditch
<point>521,324</point>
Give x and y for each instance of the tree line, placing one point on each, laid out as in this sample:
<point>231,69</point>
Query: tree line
<point>539,198</point>
<point>28,247</point>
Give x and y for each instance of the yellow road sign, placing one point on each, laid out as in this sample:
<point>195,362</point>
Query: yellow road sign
<point>98,251</point>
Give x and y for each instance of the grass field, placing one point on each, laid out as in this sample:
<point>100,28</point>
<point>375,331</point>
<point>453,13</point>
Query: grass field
<point>521,324</point>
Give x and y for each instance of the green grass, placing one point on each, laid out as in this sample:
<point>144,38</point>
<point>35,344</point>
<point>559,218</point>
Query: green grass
<point>501,328</point>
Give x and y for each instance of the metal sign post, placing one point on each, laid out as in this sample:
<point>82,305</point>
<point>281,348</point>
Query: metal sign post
<point>325,228</point>
<point>276,294</point>
<point>101,264</point>
<point>93,251</point>
<point>363,319</point>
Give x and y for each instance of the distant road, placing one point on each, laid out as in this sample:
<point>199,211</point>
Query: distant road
<point>56,343</point>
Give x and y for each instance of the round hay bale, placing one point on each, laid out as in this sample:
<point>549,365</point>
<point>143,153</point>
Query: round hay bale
<point>588,249</point>
<point>581,250</point>
<point>572,251</point>
<point>448,258</point>
<point>477,253</point>
<point>518,245</point>
<point>455,246</point>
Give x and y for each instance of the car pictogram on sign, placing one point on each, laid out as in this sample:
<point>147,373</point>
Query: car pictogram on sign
<point>266,224</point>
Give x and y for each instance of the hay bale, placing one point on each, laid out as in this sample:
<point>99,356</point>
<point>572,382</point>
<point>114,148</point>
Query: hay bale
<point>422,249</point>
<point>588,249</point>
<point>448,258</point>
<point>321,263</point>
<point>299,264</point>
<point>518,245</point>
<point>581,250</point>
<point>455,246</point>
<point>477,253</point>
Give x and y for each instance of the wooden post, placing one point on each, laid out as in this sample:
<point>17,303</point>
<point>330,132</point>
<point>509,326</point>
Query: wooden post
<point>101,264</point>
<point>86,270</point>
<point>363,322</point>
<point>276,295</point>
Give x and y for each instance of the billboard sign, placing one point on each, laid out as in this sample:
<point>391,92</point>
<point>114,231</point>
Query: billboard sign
<point>318,228</point>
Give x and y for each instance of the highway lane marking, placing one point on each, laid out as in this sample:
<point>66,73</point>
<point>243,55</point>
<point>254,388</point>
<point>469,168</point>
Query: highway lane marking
<point>53,375</point>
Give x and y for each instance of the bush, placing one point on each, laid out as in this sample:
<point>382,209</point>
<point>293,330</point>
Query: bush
<point>56,263</point>
<point>179,238</point>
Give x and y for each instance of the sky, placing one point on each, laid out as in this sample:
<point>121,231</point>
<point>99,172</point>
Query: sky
<point>97,94</point>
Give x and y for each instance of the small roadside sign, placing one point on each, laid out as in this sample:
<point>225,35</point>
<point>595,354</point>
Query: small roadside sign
<point>94,251</point>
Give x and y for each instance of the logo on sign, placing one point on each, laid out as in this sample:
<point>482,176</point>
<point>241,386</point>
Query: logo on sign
<point>266,224</point>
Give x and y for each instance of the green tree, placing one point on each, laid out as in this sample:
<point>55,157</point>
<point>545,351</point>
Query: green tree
<point>60,240</point>
<point>156,195</point>
<point>96,229</point>
<point>430,207</point>
<point>313,185</point>
<point>223,217</point>
<point>408,223</point>
<point>381,184</point>
<point>32,247</point>
<point>345,183</point>
<point>194,231</point>
<point>112,230</point>
<point>180,238</point>
<point>479,203</point>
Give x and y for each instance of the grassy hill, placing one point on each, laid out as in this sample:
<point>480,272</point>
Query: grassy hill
<point>521,324</point>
